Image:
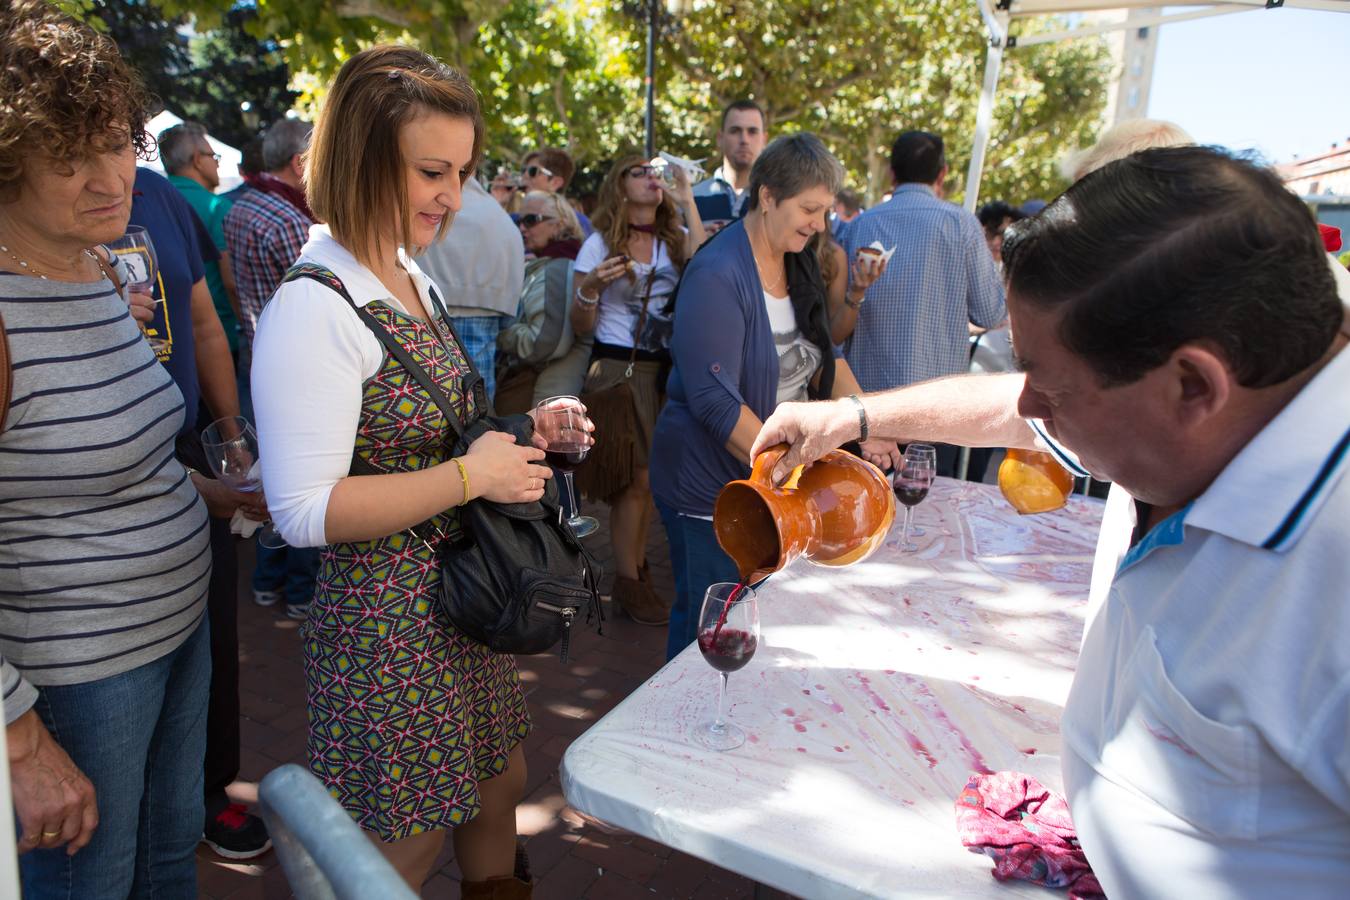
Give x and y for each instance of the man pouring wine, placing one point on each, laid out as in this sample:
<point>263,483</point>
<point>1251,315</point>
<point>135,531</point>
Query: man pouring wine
<point>1177,332</point>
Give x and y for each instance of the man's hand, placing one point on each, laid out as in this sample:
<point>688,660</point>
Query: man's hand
<point>809,429</point>
<point>53,798</point>
<point>221,501</point>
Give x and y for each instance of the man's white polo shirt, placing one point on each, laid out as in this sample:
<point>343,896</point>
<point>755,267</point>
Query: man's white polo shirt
<point>1207,733</point>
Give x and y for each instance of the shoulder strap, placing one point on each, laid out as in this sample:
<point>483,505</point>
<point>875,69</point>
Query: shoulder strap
<point>330,280</point>
<point>109,272</point>
<point>5,381</point>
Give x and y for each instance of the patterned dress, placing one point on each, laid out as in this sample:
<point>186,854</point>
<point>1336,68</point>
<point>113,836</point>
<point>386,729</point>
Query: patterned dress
<point>406,714</point>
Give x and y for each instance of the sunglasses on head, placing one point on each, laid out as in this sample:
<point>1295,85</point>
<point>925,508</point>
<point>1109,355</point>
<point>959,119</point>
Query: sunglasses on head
<point>643,171</point>
<point>529,220</point>
<point>533,170</point>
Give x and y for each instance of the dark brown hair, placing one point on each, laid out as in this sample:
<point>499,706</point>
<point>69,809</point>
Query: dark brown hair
<point>611,214</point>
<point>556,161</point>
<point>65,92</point>
<point>355,173</point>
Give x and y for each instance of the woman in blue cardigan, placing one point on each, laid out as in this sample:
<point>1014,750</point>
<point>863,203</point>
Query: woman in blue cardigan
<point>751,331</point>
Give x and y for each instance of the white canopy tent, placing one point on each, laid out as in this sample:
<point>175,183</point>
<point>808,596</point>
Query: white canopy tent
<point>229,156</point>
<point>999,16</point>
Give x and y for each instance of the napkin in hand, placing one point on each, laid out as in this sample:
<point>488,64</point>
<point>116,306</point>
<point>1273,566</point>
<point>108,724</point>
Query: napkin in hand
<point>885,254</point>
<point>242,525</point>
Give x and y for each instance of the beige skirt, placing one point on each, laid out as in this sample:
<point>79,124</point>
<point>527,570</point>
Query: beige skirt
<point>624,410</point>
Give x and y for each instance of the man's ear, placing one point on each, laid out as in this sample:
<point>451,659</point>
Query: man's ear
<point>1200,384</point>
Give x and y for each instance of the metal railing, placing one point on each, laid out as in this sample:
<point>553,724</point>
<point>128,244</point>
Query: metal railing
<point>324,854</point>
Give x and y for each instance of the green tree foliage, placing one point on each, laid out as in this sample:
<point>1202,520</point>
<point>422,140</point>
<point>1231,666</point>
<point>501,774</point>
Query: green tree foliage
<point>230,67</point>
<point>569,73</point>
<point>859,73</point>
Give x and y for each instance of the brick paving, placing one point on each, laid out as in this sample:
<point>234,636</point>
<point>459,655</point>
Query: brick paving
<point>571,857</point>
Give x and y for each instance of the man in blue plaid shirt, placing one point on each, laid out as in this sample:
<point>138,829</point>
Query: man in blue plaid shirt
<point>912,324</point>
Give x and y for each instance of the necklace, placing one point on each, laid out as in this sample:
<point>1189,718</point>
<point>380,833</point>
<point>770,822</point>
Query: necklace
<point>782,279</point>
<point>32,270</point>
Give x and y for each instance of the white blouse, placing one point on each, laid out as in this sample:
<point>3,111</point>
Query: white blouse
<point>311,355</point>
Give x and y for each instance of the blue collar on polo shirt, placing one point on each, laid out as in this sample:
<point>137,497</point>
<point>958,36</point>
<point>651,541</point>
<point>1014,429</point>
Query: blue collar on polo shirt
<point>1270,492</point>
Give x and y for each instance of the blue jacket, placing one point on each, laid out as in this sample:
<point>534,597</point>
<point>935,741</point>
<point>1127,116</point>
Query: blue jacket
<point>724,357</point>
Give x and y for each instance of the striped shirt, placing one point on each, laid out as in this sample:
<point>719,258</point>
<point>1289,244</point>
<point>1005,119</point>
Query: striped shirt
<point>264,234</point>
<point>104,551</point>
<point>912,325</point>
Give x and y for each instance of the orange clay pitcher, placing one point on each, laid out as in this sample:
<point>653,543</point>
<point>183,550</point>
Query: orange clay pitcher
<point>835,512</point>
<point>1033,482</point>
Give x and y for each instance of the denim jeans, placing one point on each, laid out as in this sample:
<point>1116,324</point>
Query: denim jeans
<point>698,561</point>
<point>290,570</point>
<point>478,334</point>
<point>140,738</point>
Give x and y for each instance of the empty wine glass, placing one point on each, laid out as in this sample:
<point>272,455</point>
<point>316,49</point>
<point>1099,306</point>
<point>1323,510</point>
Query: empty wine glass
<point>911,484</point>
<point>137,253</point>
<point>728,633</point>
<point>562,422</point>
<point>231,448</point>
<point>923,451</point>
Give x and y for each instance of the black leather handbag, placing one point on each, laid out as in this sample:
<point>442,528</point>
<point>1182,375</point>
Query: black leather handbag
<point>518,577</point>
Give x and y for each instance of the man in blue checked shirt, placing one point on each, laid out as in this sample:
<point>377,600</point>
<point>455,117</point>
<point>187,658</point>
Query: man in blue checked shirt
<point>913,323</point>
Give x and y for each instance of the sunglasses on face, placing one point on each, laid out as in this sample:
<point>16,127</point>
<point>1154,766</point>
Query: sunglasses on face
<point>532,170</point>
<point>643,171</point>
<point>529,220</point>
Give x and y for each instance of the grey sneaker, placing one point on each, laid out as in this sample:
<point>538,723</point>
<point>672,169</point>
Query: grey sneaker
<point>297,611</point>
<point>266,598</point>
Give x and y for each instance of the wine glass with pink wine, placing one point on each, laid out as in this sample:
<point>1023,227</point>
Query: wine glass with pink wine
<point>728,633</point>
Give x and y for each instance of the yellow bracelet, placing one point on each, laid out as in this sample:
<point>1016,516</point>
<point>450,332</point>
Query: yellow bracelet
<point>464,477</point>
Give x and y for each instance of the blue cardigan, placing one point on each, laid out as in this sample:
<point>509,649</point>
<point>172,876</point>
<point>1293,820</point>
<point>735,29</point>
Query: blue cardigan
<point>724,356</point>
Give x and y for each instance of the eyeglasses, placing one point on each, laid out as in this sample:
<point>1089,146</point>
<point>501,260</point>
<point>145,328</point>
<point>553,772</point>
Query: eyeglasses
<point>529,220</point>
<point>214,156</point>
<point>643,171</point>
<point>533,170</point>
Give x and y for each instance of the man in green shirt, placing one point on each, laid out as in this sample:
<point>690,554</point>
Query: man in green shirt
<point>193,167</point>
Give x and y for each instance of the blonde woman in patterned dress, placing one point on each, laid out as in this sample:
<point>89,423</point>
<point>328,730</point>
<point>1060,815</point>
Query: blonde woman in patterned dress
<point>413,727</point>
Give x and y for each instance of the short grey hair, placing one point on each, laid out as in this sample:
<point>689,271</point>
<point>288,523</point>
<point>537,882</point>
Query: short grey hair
<point>794,163</point>
<point>1121,140</point>
<point>283,141</point>
<point>179,145</point>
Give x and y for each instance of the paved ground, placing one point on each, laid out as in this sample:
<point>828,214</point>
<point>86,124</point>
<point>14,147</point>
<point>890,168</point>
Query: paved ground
<point>572,858</point>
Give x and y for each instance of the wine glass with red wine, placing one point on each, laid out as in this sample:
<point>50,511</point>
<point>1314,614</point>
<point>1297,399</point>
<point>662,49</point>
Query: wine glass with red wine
<point>562,422</point>
<point>924,451</point>
<point>728,633</point>
<point>911,484</point>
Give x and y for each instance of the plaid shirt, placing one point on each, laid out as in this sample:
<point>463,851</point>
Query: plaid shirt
<point>912,325</point>
<point>265,234</point>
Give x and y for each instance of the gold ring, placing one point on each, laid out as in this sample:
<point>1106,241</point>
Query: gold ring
<point>51,834</point>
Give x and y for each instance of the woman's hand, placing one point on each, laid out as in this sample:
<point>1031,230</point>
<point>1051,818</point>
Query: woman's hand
<point>682,190</point>
<point>142,306</point>
<point>866,269</point>
<point>883,454</point>
<point>603,275</point>
<point>555,428</point>
<point>503,471</point>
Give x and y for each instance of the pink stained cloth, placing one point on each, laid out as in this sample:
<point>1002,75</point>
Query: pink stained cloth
<point>1025,829</point>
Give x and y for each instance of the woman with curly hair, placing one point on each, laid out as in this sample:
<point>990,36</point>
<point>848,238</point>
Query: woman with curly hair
<point>104,549</point>
<point>625,276</point>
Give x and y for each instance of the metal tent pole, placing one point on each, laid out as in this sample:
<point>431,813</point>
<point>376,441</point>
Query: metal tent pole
<point>653,11</point>
<point>997,23</point>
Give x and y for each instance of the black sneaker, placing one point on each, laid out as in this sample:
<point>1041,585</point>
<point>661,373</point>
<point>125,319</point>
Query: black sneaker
<point>236,834</point>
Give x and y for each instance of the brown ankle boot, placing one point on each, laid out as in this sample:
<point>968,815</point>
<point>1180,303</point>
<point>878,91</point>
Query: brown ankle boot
<point>639,601</point>
<point>507,887</point>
